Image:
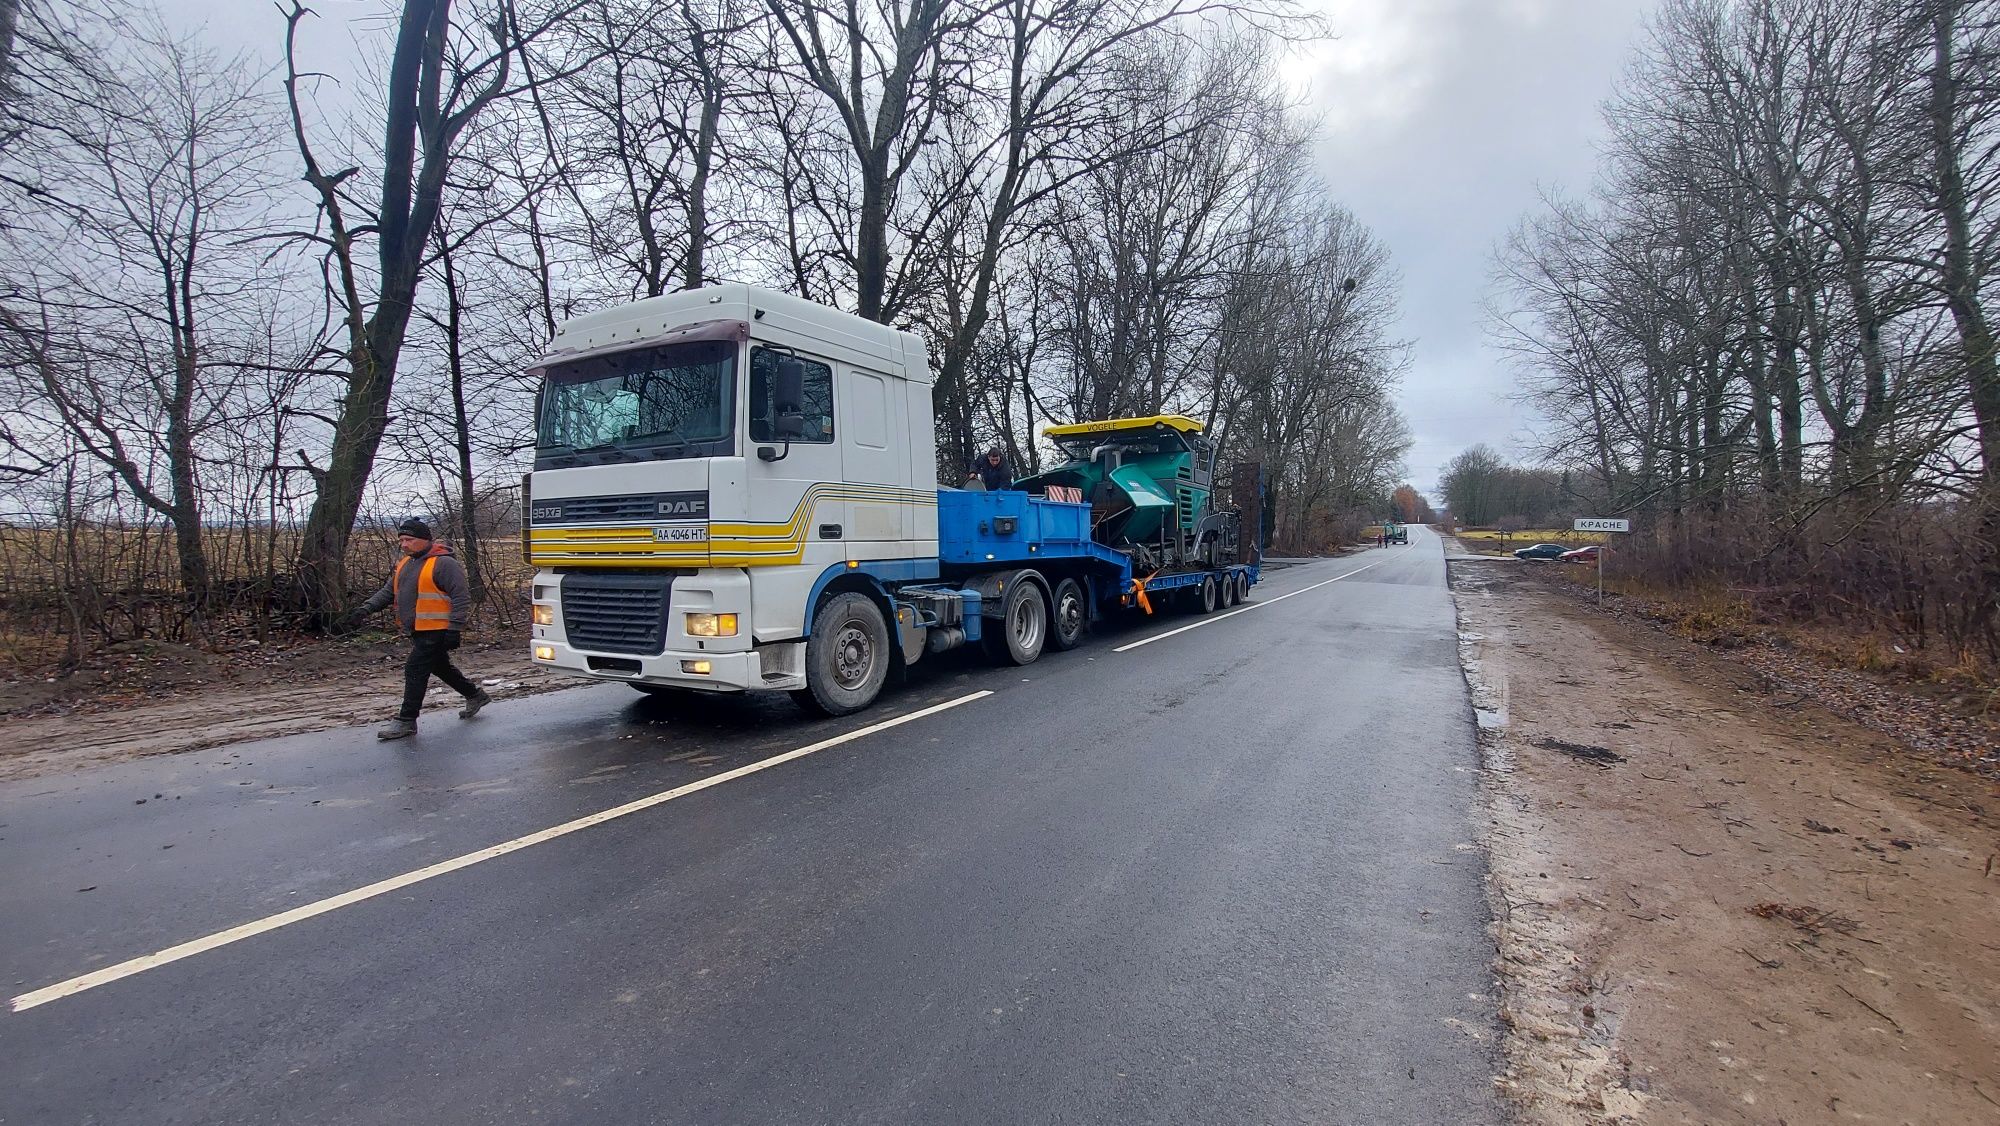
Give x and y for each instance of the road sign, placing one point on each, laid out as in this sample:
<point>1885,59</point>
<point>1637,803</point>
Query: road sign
<point>1602,524</point>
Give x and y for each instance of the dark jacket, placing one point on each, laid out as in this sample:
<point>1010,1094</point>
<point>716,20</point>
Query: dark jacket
<point>450,579</point>
<point>994,477</point>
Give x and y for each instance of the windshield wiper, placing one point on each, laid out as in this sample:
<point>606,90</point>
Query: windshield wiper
<point>567,455</point>
<point>662,442</point>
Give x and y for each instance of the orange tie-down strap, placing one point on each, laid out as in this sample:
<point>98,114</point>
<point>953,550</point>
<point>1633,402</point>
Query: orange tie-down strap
<point>1139,593</point>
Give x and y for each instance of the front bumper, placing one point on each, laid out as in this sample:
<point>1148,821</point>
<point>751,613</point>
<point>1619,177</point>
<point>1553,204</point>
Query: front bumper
<point>776,667</point>
<point>716,664</point>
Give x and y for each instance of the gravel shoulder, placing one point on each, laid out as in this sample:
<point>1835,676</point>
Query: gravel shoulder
<point>166,699</point>
<point>1718,901</point>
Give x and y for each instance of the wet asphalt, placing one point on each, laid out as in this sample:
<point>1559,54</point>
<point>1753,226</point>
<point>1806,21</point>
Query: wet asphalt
<point>1227,877</point>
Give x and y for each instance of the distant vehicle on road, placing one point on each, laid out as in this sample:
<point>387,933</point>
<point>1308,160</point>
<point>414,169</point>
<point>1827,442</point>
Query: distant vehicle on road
<point>1541,551</point>
<point>1581,555</point>
<point>1393,532</point>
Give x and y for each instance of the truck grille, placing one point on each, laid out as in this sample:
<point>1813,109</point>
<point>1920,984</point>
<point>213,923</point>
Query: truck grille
<point>616,613</point>
<point>580,509</point>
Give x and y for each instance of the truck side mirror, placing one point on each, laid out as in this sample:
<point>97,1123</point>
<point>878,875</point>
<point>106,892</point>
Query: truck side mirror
<point>788,395</point>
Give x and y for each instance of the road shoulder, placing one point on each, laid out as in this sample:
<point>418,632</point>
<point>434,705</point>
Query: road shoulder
<point>1713,907</point>
<point>311,686</point>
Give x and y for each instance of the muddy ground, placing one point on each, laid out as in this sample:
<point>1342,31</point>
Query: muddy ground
<point>151,698</point>
<point>1716,900</point>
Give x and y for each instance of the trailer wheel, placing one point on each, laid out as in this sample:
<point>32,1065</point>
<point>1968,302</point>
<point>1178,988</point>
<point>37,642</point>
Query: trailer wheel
<point>1016,636</point>
<point>1210,595</point>
<point>1243,586</point>
<point>1228,590</point>
<point>1068,617</point>
<point>847,656</point>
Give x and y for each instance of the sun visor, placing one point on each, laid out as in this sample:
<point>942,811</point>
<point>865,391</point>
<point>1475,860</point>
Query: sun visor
<point>719,329</point>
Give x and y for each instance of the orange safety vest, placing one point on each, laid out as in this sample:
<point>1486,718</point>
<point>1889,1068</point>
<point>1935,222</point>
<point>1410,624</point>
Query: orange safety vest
<point>433,605</point>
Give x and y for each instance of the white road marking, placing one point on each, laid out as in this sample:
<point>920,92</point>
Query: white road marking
<point>299,914</point>
<point>1244,610</point>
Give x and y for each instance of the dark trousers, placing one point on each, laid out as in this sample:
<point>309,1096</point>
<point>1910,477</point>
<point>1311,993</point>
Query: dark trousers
<point>430,656</point>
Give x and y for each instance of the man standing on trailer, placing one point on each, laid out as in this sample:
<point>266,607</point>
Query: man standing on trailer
<point>429,590</point>
<point>992,472</point>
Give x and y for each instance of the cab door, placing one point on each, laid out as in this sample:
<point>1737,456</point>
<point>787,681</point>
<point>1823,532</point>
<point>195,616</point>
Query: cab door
<point>796,502</point>
<point>878,503</point>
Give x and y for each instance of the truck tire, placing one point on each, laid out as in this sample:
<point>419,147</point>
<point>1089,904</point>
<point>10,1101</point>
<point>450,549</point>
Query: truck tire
<point>1243,586</point>
<point>1228,590</point>
<point>847,656</point>
<point>1210,596</point>
<point>1068,617</point>
<point>1016,636</point>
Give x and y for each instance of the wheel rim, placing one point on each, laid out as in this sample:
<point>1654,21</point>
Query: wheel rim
<point>1069,615</point>
<point>853,655</point>
<point>1026,623</point>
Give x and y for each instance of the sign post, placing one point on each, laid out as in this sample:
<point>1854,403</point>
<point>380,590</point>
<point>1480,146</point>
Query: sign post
<point>1602,524</point>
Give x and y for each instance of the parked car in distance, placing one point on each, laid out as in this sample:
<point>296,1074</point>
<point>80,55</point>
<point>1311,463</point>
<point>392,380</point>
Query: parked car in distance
<point>1581,555</point>
<point>1541,551</point>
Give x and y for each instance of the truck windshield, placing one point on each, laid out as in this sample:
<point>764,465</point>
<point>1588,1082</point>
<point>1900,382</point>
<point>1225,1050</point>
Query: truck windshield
<point>648,404</point>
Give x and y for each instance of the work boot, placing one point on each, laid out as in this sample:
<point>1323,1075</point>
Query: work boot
<point>473,704</point>
<point>397,729</point>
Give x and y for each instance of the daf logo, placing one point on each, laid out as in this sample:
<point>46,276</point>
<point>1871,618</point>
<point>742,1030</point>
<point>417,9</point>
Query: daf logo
<point>683,508</point>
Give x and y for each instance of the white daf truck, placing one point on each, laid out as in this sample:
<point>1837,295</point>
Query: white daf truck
<point>735,489</point>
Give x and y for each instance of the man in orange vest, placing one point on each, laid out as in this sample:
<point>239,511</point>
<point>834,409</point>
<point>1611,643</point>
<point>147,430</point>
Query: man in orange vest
<point>429,590</point>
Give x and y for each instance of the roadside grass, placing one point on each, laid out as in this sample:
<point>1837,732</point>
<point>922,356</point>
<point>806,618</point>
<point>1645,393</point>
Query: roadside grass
<point>68,593</point>
<point>1490,541</point>
<point>1732,617</point>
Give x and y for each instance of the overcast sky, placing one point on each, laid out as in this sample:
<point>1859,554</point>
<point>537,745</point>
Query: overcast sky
<point>1442,119</point>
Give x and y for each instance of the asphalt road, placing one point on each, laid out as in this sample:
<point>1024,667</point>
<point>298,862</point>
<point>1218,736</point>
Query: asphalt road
<point>1223,877</point>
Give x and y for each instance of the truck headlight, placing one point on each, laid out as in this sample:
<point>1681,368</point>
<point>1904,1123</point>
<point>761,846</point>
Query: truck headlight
<point>543,615</point>
<point>711,625</point>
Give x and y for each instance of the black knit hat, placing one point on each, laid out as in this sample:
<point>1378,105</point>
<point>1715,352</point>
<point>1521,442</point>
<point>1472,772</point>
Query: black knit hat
<point>414,527</point>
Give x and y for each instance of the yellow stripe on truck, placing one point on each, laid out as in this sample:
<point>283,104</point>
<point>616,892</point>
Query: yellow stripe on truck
<point>730,543</point>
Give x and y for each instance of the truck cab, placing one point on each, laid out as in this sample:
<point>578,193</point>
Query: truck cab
<point>676,531</point>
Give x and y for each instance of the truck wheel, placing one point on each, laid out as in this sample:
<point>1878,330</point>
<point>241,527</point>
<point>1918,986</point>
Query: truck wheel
<point>1228,590</point>
<point>1243,587</point>
<point>1068,617</point>
<point>847,656</point>
<point>1210,595</point>
<point>1016,636</point>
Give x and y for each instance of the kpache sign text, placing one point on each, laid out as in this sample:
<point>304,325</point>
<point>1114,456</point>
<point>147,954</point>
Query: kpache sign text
<point>1602,524</point>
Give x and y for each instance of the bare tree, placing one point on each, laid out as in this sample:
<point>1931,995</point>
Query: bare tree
<point>148,303</point>
<point>441,77</point>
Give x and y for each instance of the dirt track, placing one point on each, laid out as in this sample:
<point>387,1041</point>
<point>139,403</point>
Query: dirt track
<point>179,699</point>
<point>1714,908</point>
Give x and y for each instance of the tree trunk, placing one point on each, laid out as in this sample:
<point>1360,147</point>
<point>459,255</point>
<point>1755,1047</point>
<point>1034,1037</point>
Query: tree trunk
<point>420,132</point>
<point>1961,278</point>
<point>461,432</point>
<point>871,239</point>
<point>10,20</point>
<point>695,265</point>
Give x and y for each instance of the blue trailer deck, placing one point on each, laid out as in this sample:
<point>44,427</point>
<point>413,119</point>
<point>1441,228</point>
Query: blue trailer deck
<point>984,530</point>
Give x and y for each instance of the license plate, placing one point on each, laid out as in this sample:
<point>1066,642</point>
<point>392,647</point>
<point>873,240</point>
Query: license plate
<point>680,535</point>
